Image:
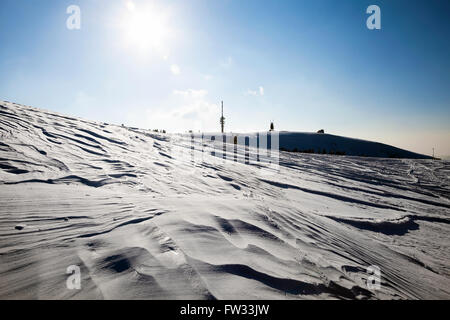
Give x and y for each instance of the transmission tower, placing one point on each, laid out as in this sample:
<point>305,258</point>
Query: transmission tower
<point>222,120</point>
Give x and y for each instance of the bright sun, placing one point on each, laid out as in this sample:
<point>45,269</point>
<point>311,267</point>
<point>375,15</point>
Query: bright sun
<point>146,29</point>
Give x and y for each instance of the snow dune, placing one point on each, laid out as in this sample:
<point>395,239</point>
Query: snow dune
<point>143,221</point>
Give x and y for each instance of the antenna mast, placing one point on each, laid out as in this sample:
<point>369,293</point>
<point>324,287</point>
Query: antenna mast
<point>222,120</point>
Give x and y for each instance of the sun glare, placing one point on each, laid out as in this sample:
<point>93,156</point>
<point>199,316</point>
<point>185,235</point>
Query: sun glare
<point>146,28</point>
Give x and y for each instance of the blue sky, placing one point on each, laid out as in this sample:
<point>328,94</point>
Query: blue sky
<point>306,65</point>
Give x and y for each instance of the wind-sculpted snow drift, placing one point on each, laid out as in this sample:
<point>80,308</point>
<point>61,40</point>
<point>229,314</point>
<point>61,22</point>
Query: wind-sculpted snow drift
<point>144,221</point>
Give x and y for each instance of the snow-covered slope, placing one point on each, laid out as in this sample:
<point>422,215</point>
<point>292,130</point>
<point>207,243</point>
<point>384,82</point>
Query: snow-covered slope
<point>320,143</point>
<point>143,221</point>
<point>328,143</point>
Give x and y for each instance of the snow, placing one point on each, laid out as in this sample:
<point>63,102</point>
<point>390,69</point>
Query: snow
<point>320,142</point>
<point>143,220</point>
